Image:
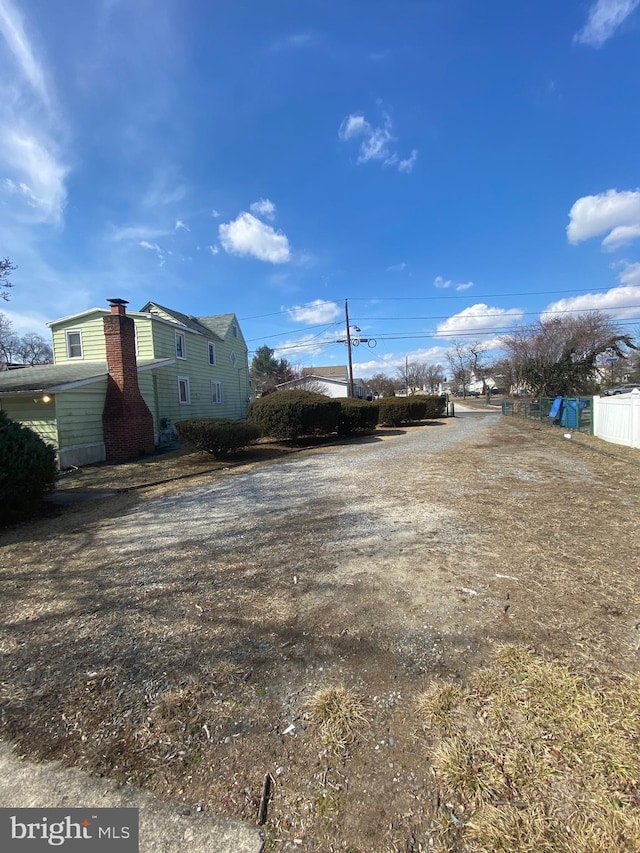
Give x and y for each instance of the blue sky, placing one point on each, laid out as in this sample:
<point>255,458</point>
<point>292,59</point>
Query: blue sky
<point>452,167</point>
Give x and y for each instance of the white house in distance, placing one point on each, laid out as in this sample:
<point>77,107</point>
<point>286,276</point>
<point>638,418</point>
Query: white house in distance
<point>332,381</point>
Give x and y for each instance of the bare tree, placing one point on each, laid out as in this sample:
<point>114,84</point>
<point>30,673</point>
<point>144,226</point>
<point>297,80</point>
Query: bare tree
<point>9,342</point>
<point>33,349</point>
<point>434,377</point>
<point>564,354</point>
<point>6,268</point>
<point>460,358</point>
<point>380,385</point>
<point>414,374</point>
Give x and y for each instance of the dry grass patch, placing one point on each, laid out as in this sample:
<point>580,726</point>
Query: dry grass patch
<point>539,759</point>
<point>340,716</point>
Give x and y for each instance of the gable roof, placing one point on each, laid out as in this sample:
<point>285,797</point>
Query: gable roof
<point>63,376</point>
<point>213,325</point>
<point>332,371</point>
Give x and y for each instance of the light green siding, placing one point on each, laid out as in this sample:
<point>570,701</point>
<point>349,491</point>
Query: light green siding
<point>146,383</point>
<point>196,368</point>
<point>144,337</point>
<point>93,343</point>
<point>40,417</point>
<point>79,413</point>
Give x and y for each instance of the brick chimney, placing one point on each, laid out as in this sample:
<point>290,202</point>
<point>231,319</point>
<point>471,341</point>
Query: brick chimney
<point>126,419</point>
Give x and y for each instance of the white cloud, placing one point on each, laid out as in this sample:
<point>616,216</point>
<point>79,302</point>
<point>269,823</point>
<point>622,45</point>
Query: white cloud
<point>215,214</point>
<point>605,16</point>
<point>12,29</point>
<point>407,165</point>
<point>479,319</point>
<point>28,322</point>
<point>30,160</point>
<point>214,249</point>
<point>318,311</point>
<point>247,235</point>
<point>609,211</point>
<point>620,236</point>
<point>442,283</point>
<point>299,350</point>
<point>352,126</point>
<point>630,275</point>
<point>619,302</point>
<point>40,177</point>
<point>153,247</point>
<point>376,142</point>
<point>137,233</point>
<point>392,365</point>
<point>180,224</point>
<point>397,267</point>
<point>263,207</point>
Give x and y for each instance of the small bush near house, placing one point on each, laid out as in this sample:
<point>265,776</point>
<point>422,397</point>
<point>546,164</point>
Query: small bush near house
<point>293,414</point>
<point>357,417</point>
<point>217,436</point>
<point>28,470</point>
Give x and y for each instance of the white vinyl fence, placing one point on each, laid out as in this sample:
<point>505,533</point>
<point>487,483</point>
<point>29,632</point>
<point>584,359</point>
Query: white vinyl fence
<point>617,419</point>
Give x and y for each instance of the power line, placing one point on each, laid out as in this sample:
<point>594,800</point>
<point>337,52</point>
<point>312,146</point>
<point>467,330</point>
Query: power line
<point>466,295</point>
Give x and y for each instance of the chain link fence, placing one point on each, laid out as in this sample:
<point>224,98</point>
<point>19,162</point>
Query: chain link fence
<point>570,413</point>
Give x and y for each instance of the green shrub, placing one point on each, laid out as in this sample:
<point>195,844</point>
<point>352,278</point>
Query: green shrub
<point>402,410</point>
<point>357,417</point>
<point>217,436</point>
<point>435,406</point>
<point>293,414</point>
<point>28,470</point>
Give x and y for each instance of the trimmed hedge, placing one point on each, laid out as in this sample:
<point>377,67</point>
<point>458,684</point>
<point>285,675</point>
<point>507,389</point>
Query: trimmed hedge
<point>217,436</point>
<point>296,413</point>
<point>402,410</point>
<point>28,470</point>
<point>357,417</point>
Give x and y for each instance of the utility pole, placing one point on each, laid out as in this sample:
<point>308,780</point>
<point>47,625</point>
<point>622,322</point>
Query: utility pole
<point>353,342</point>
<point>346,319</point>
<point>406,376</point>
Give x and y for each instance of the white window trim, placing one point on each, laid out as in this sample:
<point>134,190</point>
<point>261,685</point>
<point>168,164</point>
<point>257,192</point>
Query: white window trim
<point>66,339</point>
<point>182,335</point>
<point>184,379</point>
<point>234,331</point>
<point>233,359</point>
<point>209,345</point>
<point>220,393</point>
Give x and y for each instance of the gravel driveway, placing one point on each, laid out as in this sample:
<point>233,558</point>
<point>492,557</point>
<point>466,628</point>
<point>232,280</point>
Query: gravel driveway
<point>176,643</point>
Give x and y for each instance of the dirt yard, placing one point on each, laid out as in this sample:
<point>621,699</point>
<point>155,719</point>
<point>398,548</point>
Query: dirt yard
<point>288,617</point>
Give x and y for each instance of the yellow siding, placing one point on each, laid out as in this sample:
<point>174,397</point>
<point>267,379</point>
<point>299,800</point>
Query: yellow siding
<point>79,414</point>
<point>93,344</point>
<point>40,417</point>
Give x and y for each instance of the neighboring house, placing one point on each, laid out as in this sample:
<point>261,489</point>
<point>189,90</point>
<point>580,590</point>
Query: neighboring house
<point>332,381</point>
<point>119,381</point>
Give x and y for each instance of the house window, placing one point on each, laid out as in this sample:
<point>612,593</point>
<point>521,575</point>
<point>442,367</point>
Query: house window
<point>234,331</point>
<point>212,353</point>
<point>184,391</point>
<point>181,345</point>
<point>233,358</point>
<point>216,392</point>
<point>74,344</point>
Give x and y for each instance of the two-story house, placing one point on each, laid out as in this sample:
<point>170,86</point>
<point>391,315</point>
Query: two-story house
<point>144,370</point>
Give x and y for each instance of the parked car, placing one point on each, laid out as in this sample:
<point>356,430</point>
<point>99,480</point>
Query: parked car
<point>622,389</point>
